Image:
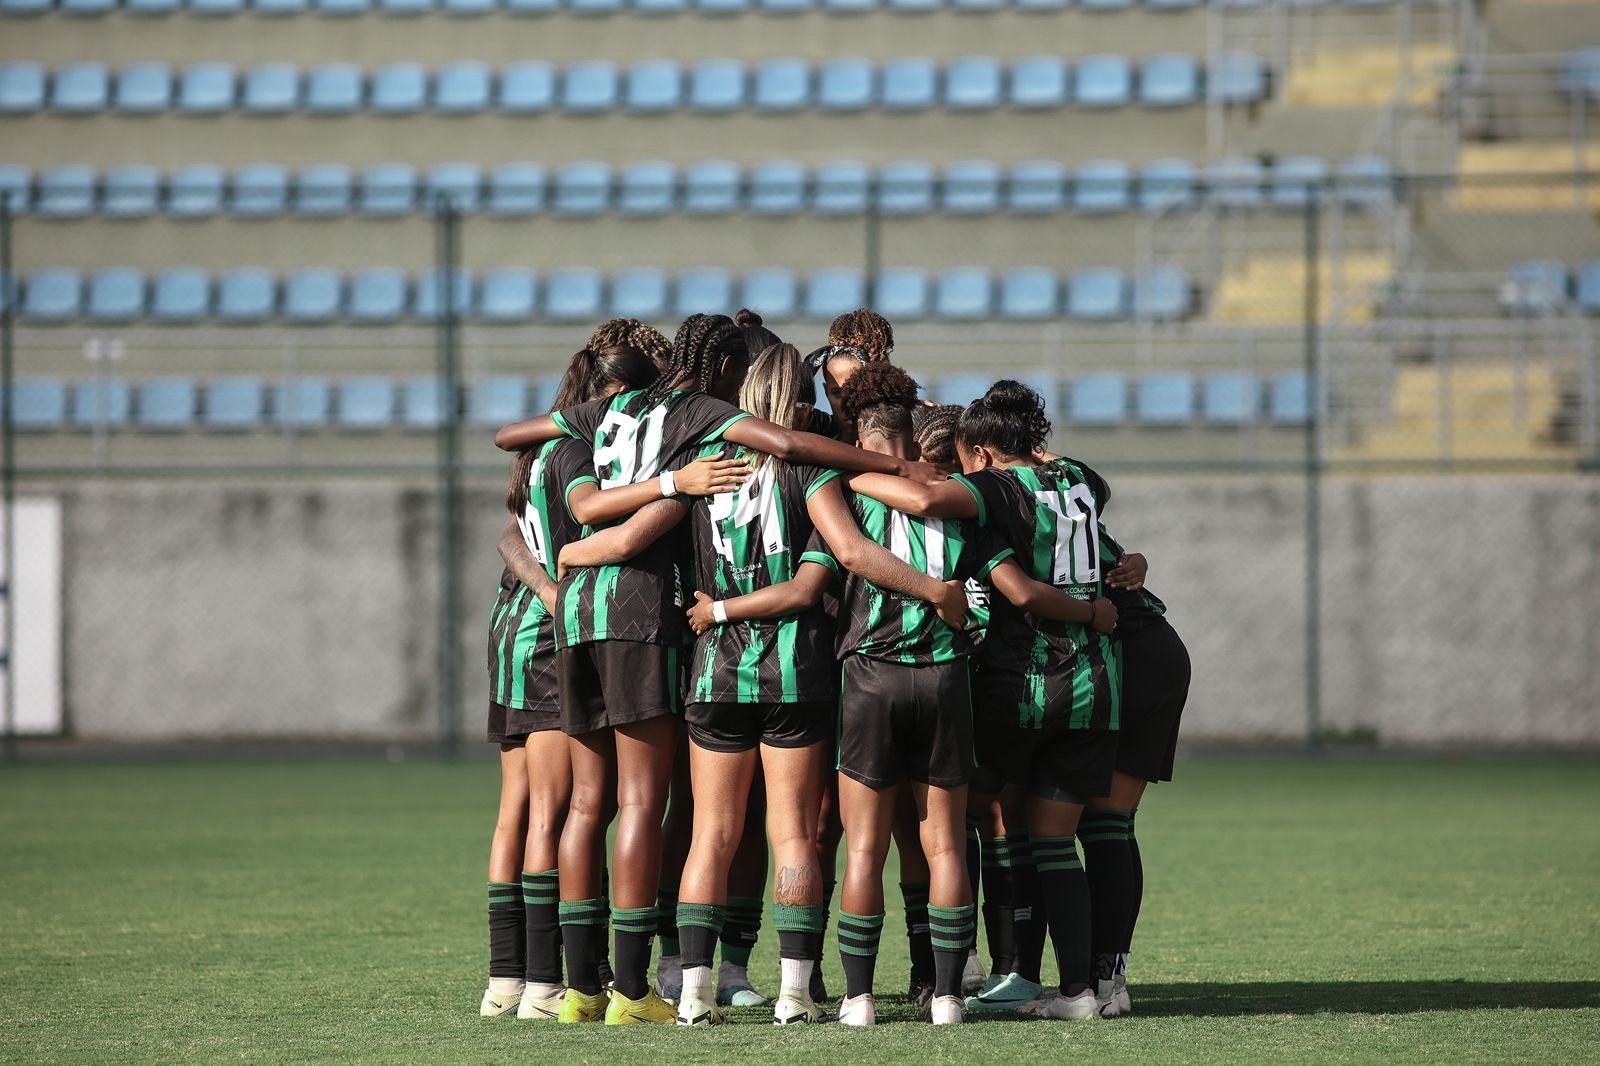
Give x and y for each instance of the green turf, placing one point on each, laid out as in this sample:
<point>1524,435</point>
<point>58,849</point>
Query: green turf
<point>1295,910</point>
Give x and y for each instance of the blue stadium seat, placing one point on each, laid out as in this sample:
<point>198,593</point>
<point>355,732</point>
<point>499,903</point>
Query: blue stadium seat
<point>639,293</point>
<point>1587,287</point>
<point>830,293</point>
<point>573,295</point>
<point>341,8</point>
<point>427,302</point>
<point>1102,187</point>
<point>270,89</point>
<point>180,295</point>
<point>901,294</point>
<point>22,88</point>
<point>848,7</point>
<point>516,189</point>
<point>66,192</point>
<point>168,403</point>
<point>1037,187</point>
<point>150,7</point>
<point>1172,5</point>
<point>1165,399</point>
<point>913,7</point>
<point>377,297</point>
<point>1097,294</point>
<point>87,8</point>
<point>334,89</point>
<point>711,188</point>
<point>1030,294</point>
<point>773,293</point>
<point>248,294</point>
<point>80,88</point>
<point>960,389</point>
<point>1536,286</point>
<point>717,85</point>
<point>1242,78</point>
<point>654,86</point>
<point>978,5</point>
<point>424,403</point>
<point>388,189</point>
<point>53,294</point>
<point>1105,5</point>
<point>905,188</point>
<point>313,295</point>
<point>963,294</point>
<point>235,404</point>
<point>469,8</point>
<point>458,184</point>
<point>1162,292</point>
<point>462,88</point>
<point>544,390</point>
<point>1296,180</point>
<point>142,88</point>
<point>38,404</point>
<point>531,7</point>
<point>260,190</point>
<point>703,290</point>
<point>1167,185</point>
<point>23,7</point>
<point>594,7</point>
<point>722,7</point>
<point>1230,399</point>
<point>972,83</point>
<point>581,189</point>
<point>846,85</point>
<point>840,189</point>
<point>971,187</point>
<point>527,88</point>
<point>404,7</point>
<point>97,402</point>
<point>365,403</point>
<point>324,189</point>
<point>1039,81</point>
<point>782,85</point>
<point>195,191</point>
<point>659,7</point>
<point>509,294</point>
<point>647,189</point>
<point>278,7</point>
<point>1103,81</point>
<point>589,86</point>
<point>777,188</point>
<point>131,192</point>
<point>1045,382</point>
<point>910,84</point>
<point>496,399</point>
<point>1098,400</point>
<point>785,7</point>
<point>207,89</point>
<point>1579,76</point>
<point>1171,80</point>
<point>303,403</point>
<point>1366,181</point>
<point>116,294</point>
<point>398,89</point>
<point>16,188</point>
<point>1291,398</point>
<point>1236,183</point>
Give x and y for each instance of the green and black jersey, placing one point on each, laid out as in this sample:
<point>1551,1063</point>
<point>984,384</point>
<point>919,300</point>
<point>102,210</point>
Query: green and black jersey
<point>1057,674</point>
<point>892,626</point>
<point>1136,609</point>
<point>521,631</point>
<point>751,539</point>
<point>634,438</point>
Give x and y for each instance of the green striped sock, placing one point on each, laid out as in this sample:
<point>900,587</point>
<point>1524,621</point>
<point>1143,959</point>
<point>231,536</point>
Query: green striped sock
<point>507,936</point>
<point>698,925</point>
<point>583,936</point>
<point>541,897</point>
<point>952,928</point>
<point>859,935</point>
<point>741,930</point>
<point>634,928</point>
<point>1055,853</point>
<point>915,895</point>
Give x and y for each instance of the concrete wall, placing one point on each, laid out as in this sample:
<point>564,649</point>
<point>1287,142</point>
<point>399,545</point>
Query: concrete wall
<point>1454,611</point>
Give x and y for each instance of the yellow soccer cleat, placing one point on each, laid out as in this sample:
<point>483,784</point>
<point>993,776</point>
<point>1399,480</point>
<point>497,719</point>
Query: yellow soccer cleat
<point>577,1007</point>
<point>649,1009</point>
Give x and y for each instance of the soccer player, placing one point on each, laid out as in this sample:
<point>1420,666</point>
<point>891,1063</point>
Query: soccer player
<point>855,339</point>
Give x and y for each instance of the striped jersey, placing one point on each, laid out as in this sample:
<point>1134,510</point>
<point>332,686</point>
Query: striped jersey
<point>634,438</point>
<point>1036,672</point>
<point>892,626</point>
<point>751,539</point>
<point>521,631</point>
<point>1136,609</point>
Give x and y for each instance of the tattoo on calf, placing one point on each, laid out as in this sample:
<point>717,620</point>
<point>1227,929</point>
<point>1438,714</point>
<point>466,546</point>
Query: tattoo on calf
<point>796,886</point>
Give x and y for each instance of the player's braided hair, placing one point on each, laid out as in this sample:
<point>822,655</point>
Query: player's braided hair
<point>698,351</point>
<point>630,331</point>
<point>935,430</point>
<point>865,333</point>
<point>878,398</point>
<point>1009,419</point>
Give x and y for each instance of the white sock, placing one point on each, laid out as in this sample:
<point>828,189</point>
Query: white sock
<point>797,974</point>
<point>506,986</point>
<point>731,974</point>
<point>542,991</point>
<point>696,979</point>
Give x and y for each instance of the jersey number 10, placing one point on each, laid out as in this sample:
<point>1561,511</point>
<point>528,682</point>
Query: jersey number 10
<point>1076,557</point>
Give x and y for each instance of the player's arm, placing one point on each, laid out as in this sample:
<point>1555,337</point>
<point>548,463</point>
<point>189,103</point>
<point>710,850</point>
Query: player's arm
<point>518,435</point>
<point>947,499</point>
<point>800,593</point>
<point>591,505</point>
<point>621,543</point>
<point>874,562</point>
<point>797,446</point>
<point>514,551</point>
<point>1043,601</point>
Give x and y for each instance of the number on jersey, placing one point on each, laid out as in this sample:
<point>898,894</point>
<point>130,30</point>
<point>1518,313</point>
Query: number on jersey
<point>1076,556</point>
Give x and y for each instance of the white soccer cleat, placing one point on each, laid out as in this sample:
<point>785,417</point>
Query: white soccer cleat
<point>860,1011</point>
<point>499,1004</point>
<point>1060,1007</point>
<point>795,1007</point>
<point>698,1007</point>
<point>541,1003</point>
<point>947,1010</point>
<point>734,988</point>
<point>1111,998</point>
<point>973,976</point>
<point>669,977</point>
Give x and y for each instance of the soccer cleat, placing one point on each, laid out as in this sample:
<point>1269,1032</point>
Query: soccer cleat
<point>1013,993</point>
<point>795,1007</point>
<point>696,1008</point>
<point>920,992</point>
<point>947,1010</point>
<point>1062,1007</point>
<point>1111,999</point>
<point>577,1007</point>
<point>540,1004</point>
<point>669,977</point>
<point>992,983</point>
<point>497,1005</point>
<point>859,1011</point>
<point>973,976</point>
<point>734,988</point>
<point>648,1009</point>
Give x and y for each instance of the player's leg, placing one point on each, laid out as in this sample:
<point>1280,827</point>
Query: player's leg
<point>867,813</point>
<point>792,760</point>
<point>1104,832</point>
<point>645,752</point>
<point>973,973</point>
<point>747,893</point>
<point>548,767</point>
<point>914,878</point>
<point>1005,758</point>
<point>675,833</point>
<point>507,943</point>
<point>830,833</point>
<point>995,872</point>
<point>1053,824</point>
<point>583,910</point>
<point>942,821</point>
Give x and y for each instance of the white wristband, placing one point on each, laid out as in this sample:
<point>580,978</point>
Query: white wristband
<point>719,612</point>
<point>669,486</point>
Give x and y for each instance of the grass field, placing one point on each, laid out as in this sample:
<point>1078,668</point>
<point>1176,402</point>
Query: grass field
<point>1295,910</point>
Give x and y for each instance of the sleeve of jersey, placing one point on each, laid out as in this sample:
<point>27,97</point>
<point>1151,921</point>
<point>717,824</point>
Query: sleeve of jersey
<point>1098,486</point>
<point>574,466</point>
<point>814,477</point>
<point>582,421</point>
<point>986,490</point>
<point>817,551</point>
<point>1111,552</point>
<point>992,550</point>
<point>710,417</point>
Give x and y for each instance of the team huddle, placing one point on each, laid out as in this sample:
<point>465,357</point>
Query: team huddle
<point>733,628</point>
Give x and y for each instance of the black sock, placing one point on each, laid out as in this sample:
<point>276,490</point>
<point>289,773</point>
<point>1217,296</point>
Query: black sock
<point>998,919</point>
<point>1066,896</point>
<point>819,989</point>
<point>541,893</point>
<point>915,895</point>
<point>741,930</point>
<point>950,931</point>
<point>1108,865</point>
<point>583,937</point>
<point>858,950</point>
<point>1136,896</point>
<point>667,918</point>
<point>698,925</point>
<point>1028,912</point>
<point>634,929</point>
<point>508,944</point>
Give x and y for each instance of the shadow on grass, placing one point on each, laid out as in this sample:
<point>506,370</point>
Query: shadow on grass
<point>1359,997</point>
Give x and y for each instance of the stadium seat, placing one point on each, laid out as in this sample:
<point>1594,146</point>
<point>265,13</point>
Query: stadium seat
<point>971,188</point>
<point>116,294</point>
<point>1297,181</point>
<point>848,7</point>
<point>22,88</point>
<point>704,290</point>
<point>717,85</point>
<point>462,88</point>
<point>278,7</point>
<point>902,294</point>
<point>142,88</point>
<point>527,88</point>
<point>214,8</point>
<point>1535,286</point>
<point>647,189</point>
<point>1167,185</point>
<point>333,89</point>
<point>777,188</point>
<point>1030,294</point>
<point>167,403</point>
<point>1098,400</point>
<point>424,403</point>
<point>840,189</point>
<point>235,404</point>
<point>181,295</point>
<point>66,192</point>
<point>388,189</point>
<point>87,8</point>
<point>782,85</point>
<point>260,190</point>
<point>313,295</point>
<point>1587,287</point>
<point>150,7</point>
<point>589,87</point>
<point>303,403</point>
<point>404,7</point>
<point>544,390</point>
<point>573,295</point>
<point>206,89</point>
<point>496,399</point>
<point>131,192</point>
<point>1236,183</point>
<point>972,84</point>
<point>24,7</point>
<point>960,389</point>
<point>1175,5</point>
<point>531,7</point>
<point>80,88</point>
<point>195,191</point>
<point>654,86</point>
<point>1102,187</point>
<point>1165,399</point>
<point>785,7</point>
<point>323,189</point>
<point>830,293</point>
<point>1162,293</point>
<point>913,7</point>
<point>270,89</point>
<point>509,294</point>
<point>38,404</point>
<point>365,403</point>
<point>53,294</point>
<point>846,85</point>
<point>1241,79</point>
<point>1045,382</point>
<point>1102,81</point>
<point>659,7</point>
<point>640,292</point>
<point>1105,5</point>
<point>711,188</point>
<point>458,184</point>
<point>909,85</point>
<point>773,293</point>
<point>516,189</point>
<point>245,295</point>
<point>427,302</point>
<point>469,8</point>
<point>1171,80</point>
<point>1039,82</point>
<point>1097,294</point>
<point>16,188</point>
<point>1037,187</point>
<point>398,89</point>
<point>377,297</point>
<point>1230,399</point>
<point>581,189</point>
<point>963,294</point>
<point>1366,181</point>
<point>1291,398</point>
<point>102,403</point>
<point>1579,75</point>
<point>341,8</point>
<point>905,188</point>
<point>594,7</point>
<point>978,5</point>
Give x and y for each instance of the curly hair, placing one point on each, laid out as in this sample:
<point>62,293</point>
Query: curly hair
<point>878,398</point>
<point>864,332</point>
<point>935,430</point>
<point>634,334</point>
<point>698,351</point>
<point>1009,418</point>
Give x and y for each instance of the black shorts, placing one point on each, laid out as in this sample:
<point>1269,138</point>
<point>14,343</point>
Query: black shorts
<point>608,683</point>
<point>502,730</point>
<point>1155,686</point>
<point>736,727</point>
<point>899,722</point>
<point>1069,765</point>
